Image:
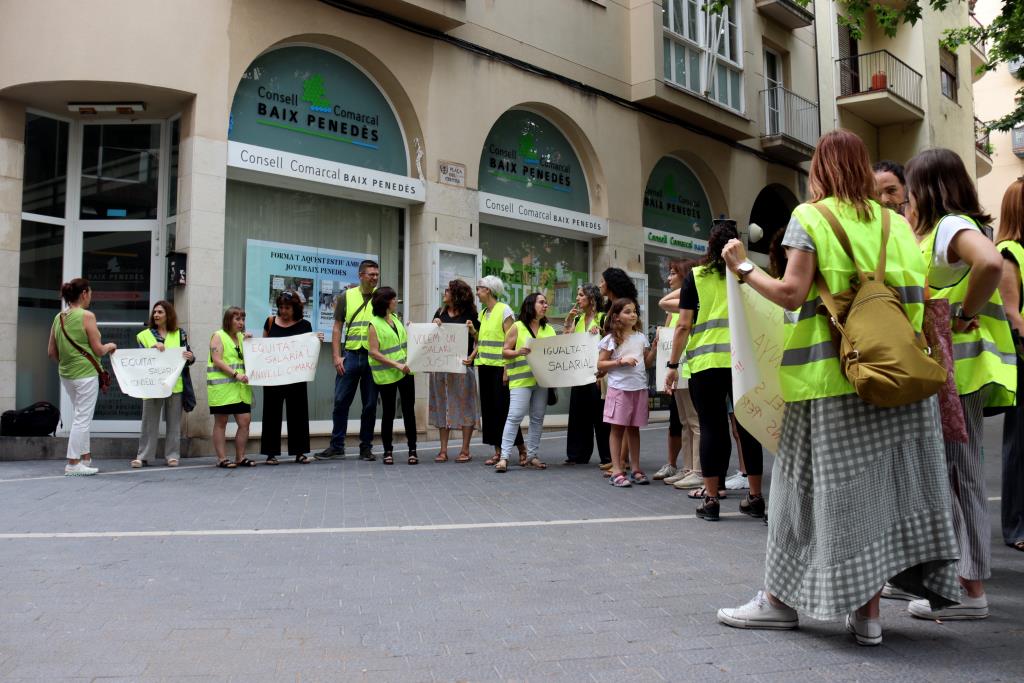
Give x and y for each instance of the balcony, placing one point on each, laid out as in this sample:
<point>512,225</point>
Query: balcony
<point>879,88</point>
<point>979,54</point>
<point>790,125</point>
<point>1018,141</point>
<point>790,14</point>
<point>441,15</point>
<point>982,149</point>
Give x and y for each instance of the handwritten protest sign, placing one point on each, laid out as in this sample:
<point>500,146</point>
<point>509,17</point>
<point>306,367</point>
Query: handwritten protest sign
<point>565,360</point>
<point>756,331</point>
<point>437,349</point>
<point>273,361</point>
<point>665,335</point>
<point>147,373</point>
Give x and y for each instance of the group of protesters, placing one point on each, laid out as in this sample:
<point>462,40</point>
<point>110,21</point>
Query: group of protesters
<point>924,535</point>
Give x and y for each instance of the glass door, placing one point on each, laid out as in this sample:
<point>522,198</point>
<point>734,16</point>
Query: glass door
<point>773,101</point>
<point>115,242</point>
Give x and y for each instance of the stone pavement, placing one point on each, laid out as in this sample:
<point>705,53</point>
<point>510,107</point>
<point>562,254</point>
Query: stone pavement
<point>353,571</point>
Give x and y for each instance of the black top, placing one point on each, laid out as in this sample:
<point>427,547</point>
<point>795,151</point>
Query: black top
<point>688,298</point>
<point>460,319</point>
<point>275,330</point>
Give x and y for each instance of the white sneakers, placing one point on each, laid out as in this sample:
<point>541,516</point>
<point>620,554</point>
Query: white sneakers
<point>692,480</point>
<point>865,631</point>
<point>759,613</point>
<point>893,593</point>
<point>737,480</point>
<point>665,472</point>
<point>967,608</point>
<point>80,470</point>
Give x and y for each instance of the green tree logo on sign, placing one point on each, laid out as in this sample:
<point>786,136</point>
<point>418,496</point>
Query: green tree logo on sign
<point>313,91</point>
<point>528,149</point>
<point>668,187</point>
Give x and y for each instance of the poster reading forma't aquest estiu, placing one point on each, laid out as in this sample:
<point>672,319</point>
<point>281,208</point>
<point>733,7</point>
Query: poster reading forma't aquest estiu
<point>318,276</point>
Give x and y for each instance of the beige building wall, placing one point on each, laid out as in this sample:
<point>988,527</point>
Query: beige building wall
<point>446,98</point>
<point>993,97</point>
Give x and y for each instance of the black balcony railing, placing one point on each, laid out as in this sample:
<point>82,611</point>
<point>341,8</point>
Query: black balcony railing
<point>879,71</point>
<point>786,113</point>
<point>1018,141</point>
<point>981,137</point>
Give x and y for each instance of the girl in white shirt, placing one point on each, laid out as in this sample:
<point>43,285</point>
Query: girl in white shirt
<point>625,354</point>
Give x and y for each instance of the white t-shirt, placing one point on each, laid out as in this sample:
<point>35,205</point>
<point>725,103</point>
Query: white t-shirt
<point>485,314</point>
<point>627,378</point>
<point>942,273</point>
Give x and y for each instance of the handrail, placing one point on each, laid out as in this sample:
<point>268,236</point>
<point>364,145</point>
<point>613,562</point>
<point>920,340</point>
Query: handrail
<point>879,70</point>
<point>785,113</point>
<point>981,137</point>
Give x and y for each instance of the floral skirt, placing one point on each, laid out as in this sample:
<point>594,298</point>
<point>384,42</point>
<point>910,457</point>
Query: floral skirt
<point>453,400</point>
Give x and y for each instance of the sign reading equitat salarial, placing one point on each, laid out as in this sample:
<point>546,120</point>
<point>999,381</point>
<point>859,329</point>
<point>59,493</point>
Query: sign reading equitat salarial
<point>273,361</point>
<point>147,373</point>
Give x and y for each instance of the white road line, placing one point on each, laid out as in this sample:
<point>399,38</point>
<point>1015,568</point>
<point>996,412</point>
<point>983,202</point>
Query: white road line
<point>192,467</point>
<point>351,530</point>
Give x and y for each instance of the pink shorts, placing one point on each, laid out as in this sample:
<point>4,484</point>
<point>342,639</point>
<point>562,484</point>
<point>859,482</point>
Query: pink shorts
<point>626,408</point>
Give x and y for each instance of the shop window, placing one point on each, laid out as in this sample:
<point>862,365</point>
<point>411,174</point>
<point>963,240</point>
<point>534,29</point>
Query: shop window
<point>39,278</point>
<point>46,166</point>
<point>307,220</point>
<point>947,73</point>
<point>695,39</point>
<point>172,168</point>
<point>120,171</point>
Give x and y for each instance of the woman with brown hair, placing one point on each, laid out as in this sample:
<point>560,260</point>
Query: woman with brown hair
<point>227,387</point>
<point>76,346</point>
<point>1009,242</point>
<point>859,493</point>
<point>965,268</point>
<point>162,333</point>
<point>287,323</point>
<point>453,395</point>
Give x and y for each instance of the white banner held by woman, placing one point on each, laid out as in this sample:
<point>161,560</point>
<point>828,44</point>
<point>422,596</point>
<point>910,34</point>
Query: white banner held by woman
<point>665,336</point>
<point>756,333</point>
<point>434,348</point>
<point>273,361</point>
<point>565,360</point>
<point>147,373</point>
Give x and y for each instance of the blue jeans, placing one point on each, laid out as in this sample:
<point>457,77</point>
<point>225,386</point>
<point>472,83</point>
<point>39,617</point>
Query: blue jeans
<point>357,373</point>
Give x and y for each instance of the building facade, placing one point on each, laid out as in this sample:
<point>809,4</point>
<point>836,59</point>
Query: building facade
<point>218,152</point>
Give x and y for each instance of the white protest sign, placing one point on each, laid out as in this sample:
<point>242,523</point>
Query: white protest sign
<point>564,360</point>
<point>434,348</point>
<point>665,335</point>
<point>147,373</point>
<point>273,361</point>
<point>756,332</point>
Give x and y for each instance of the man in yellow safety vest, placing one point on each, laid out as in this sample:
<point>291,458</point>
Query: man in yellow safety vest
<point>352,314</point>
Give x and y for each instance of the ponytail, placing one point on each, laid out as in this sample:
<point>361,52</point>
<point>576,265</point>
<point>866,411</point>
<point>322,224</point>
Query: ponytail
<point>72,291</point>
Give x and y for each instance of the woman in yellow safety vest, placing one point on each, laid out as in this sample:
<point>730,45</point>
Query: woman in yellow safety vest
<point>163,333</point>
<point>388,348</point>
<point>683,423</point>
<point>585,403</point>
<point>526,397</point>
<point>1009,242</point>
<point>965,268</point>
<point>858,492</point>
<point>227,387</point>
<point>496,317</point>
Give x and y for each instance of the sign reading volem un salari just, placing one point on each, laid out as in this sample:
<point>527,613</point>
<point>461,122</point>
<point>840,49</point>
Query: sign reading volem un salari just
<point>437,348</point>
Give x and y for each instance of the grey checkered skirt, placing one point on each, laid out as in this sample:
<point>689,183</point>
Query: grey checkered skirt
<point>859,496</point>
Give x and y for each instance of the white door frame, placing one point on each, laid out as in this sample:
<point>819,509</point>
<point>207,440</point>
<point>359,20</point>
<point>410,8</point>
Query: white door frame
<point>435,291</point>
<point>777,82</point>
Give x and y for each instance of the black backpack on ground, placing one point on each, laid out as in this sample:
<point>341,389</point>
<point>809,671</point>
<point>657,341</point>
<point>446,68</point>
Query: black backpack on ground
<point>39,419</point>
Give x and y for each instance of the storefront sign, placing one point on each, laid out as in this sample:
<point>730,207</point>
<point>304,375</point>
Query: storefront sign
<point>530,212</point>
<point>451,173</point>
<point>273,361</point>
<point>313,103</point>
<point>674,201</point>
<point>437,348</point>
<point>319,277</point>
<point>565,360</point>
<point>756,331</point>
<point>265,160</point>
<point>526,157</point>
<point>667,240</point>
<point>147,373</point>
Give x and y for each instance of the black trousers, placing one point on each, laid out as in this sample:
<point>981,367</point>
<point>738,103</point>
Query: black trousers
<point>274,399</point>
<point>494,400</point>
<point>711,390</point>
<point>586,421</point>
<point>386,394</point>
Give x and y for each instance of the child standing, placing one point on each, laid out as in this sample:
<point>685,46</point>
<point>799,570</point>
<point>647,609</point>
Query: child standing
<point>625,407</point>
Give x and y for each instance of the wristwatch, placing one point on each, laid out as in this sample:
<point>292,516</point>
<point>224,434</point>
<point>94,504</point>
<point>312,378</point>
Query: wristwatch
<point>961,316</point>
<point>743,270</point>
<point>672,366</point>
